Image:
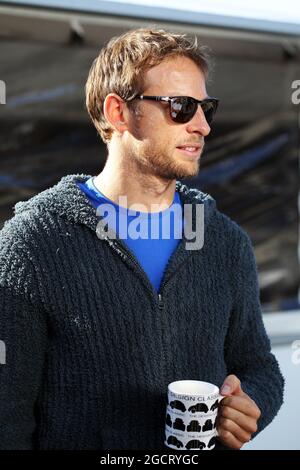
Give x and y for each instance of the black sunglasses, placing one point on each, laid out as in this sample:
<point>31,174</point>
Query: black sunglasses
<point>183,108</point>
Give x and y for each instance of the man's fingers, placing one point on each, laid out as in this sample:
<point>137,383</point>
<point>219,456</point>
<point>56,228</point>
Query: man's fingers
<point>245,422</point>
<point>237,419</point>
<point>229,440</point>
<point>228,430</point>
<point>231,385</point>
<point>245,406</point>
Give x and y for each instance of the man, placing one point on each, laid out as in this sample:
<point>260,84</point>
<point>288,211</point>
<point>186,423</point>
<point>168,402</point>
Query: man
<point>97,325</point>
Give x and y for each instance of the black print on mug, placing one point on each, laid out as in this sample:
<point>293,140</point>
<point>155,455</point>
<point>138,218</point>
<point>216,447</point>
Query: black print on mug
<point>208,425</point>
<point>214,406</point>
<point>195,444</point>
<point>194,426</point>
<point>215,423</point>
<point>168,420</point>
<point>178,405</point>
<point>174,441</point>
<point>211,442</point>
<point>199,407</point>
<point>179,424</point>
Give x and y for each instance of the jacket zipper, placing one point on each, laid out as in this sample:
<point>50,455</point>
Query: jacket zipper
<point>127,254</point>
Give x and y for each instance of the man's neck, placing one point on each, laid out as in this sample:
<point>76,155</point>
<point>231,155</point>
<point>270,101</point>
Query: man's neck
<point>153,193</point>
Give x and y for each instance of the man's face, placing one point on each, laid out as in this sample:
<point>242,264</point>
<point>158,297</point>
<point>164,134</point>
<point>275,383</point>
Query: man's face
<point>153,137</point>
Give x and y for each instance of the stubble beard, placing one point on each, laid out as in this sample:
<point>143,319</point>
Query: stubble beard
<point>156,163</point>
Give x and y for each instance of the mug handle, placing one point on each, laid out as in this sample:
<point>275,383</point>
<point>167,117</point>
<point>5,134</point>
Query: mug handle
<point>220,398</point>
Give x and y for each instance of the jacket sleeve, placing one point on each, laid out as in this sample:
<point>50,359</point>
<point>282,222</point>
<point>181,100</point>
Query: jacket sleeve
<point>247,349</point>
<point>23,337</point>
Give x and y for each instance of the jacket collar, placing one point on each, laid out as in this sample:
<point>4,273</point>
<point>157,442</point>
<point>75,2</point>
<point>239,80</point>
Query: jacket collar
<point>66,200</point>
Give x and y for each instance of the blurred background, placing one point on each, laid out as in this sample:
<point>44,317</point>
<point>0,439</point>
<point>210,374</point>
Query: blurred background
<point>251,159</point>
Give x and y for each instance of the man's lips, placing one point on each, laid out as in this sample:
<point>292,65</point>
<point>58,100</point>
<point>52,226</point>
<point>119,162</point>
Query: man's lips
<point>190,150</point>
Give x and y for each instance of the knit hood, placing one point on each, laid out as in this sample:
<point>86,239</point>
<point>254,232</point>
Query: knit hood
<point>67,200</point>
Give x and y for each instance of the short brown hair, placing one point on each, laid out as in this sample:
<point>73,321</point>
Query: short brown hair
<point>120,67</point>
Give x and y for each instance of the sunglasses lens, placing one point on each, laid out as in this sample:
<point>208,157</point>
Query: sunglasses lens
<point>209,108</point>
<point>183,109</point>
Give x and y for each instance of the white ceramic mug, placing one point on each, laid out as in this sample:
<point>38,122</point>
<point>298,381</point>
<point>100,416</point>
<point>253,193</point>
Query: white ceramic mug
<point>191,415</point>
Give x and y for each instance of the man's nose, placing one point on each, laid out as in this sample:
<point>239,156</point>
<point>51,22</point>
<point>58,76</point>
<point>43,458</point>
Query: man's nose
<point>199,123</point>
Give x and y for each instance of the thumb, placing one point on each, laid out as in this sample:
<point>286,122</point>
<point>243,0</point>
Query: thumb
<point>231,386</point>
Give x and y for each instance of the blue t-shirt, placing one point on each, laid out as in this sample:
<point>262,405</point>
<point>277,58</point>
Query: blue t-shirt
<point>151,236</point>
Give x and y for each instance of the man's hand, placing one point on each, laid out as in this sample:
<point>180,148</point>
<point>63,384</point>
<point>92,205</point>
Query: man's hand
<point>237,416</point>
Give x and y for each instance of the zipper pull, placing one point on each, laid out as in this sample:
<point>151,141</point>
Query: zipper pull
<point>160,302</point>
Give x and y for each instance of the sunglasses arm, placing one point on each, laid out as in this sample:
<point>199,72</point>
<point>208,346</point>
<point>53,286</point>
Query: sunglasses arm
<point>155,98</point>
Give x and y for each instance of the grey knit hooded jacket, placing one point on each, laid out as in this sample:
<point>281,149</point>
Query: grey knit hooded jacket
<point>90,345</point>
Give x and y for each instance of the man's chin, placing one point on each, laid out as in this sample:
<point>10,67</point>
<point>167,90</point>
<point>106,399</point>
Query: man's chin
<point>178,175</point>
<point>187,173</point>
<point>177,170</point>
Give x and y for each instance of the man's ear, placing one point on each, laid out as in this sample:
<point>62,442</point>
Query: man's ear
<point>113,109</point>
